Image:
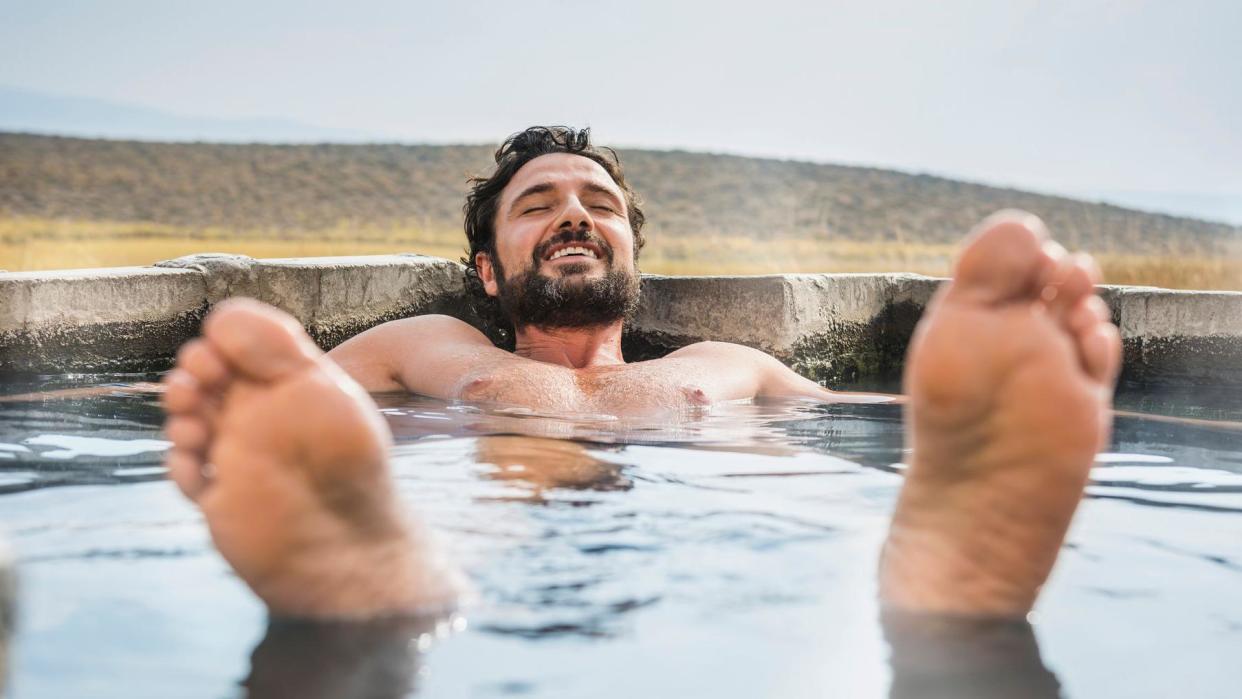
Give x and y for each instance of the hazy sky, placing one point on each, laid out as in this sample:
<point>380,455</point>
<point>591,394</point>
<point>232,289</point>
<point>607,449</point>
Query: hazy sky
<point>1076,96</point>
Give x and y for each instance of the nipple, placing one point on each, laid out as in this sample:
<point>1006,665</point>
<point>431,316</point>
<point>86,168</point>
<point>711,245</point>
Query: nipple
<point>695,395</point>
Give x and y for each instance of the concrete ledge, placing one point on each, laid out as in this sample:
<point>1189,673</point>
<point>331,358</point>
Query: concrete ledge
<point>336,297</point>
<point>134,318</point>
<point>1178,336</point>
<point>832,328</point>
<point>339,297</point>
<point>119,319</point>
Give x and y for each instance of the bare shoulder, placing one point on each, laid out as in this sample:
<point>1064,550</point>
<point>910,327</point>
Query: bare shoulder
<point>771,376</point>
<point>379,358</point>
<point>729,351</point>
<point>406,332</point>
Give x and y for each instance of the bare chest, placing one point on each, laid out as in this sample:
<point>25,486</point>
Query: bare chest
<point>643,387</point>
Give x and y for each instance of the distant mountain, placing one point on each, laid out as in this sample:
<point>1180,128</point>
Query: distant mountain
<point>38,112</point>
<point>301,189</point>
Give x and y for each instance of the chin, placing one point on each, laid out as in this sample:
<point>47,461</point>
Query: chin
<point>574,268</point>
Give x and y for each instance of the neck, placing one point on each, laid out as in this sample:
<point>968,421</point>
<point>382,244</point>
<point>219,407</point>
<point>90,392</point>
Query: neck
<point>576,348</point>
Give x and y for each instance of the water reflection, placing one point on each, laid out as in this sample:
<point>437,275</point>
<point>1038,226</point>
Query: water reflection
<point>539,465</point>
<point>341,660</point>
<point>931,657</point>
<point>589,535</point>
<point>106,432</point>
<point>935,657</point>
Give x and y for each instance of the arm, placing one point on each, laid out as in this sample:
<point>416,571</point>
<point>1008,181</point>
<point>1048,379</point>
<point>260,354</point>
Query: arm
<point>425,354</point>
<point>764,375</point>
<point>87,392</point>
<point>780,380</point>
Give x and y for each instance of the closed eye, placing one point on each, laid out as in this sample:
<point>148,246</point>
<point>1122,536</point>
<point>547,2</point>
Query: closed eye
<point>535,209</point>
<point>601,207</point>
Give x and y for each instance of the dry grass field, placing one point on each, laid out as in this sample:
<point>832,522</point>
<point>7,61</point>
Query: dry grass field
<point>33,244</point>
<point>73,203</point>
<point>28,243</point>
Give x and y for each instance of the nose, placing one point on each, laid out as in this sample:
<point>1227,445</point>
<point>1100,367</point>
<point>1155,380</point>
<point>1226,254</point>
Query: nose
<point>574,216</point>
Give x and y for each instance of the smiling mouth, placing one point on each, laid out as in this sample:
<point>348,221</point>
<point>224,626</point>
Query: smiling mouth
<point>573,251</point>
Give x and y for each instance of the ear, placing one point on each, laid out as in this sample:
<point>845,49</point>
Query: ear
<point>487,274</point>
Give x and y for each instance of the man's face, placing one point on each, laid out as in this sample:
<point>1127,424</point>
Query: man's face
<point>564,246</point>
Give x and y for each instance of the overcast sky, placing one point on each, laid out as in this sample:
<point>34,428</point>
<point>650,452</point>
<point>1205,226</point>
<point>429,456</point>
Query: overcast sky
<point>1078,96</point>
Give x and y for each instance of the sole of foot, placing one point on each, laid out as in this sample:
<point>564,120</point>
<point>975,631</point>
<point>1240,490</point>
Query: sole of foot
<point>287,458</point>
<point>1009,377</point>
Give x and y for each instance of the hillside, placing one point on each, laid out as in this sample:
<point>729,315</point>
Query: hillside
<point>707,213</point>
<point>306,187</point>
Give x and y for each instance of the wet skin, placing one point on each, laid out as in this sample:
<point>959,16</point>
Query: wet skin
<point>1009,378</point>
<point>288,459</point>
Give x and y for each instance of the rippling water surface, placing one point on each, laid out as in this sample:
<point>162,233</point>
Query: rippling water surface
<point>728,553</point>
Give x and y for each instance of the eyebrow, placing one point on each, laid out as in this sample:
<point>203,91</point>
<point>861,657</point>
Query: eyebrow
<point>532,190</point>
<point>601,189</point>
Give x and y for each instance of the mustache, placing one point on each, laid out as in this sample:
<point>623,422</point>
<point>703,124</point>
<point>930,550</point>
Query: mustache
<point>582,235</point>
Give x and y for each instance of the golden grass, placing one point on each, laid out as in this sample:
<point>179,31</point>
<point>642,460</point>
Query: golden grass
<point>34,244</point>
<point>1224,273</point>
<point>60,254</point>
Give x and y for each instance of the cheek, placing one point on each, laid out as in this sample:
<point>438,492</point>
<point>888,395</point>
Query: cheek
<point>513,251</point>
<point>623,251</point>
<point>621,240</point>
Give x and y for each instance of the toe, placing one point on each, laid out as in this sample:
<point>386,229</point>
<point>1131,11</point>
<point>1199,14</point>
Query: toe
<point>202,362</point>
<point>1086,314</point>
<point>261,342</point>
<point>1100,348</point>
<point>182,393</point>
<point>1073,279</point>
<point>188,433</point>
<point>186,470</point>
<point>1003,259</point>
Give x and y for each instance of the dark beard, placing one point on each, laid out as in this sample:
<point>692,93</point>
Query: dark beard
<point>568,300</point>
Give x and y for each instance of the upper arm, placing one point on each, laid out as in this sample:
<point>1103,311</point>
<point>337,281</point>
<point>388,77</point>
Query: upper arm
<point>425,354</point>
<point>765,375</point>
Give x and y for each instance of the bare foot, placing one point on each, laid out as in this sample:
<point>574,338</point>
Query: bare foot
<point>287,458</point>
<point>1010,377</point>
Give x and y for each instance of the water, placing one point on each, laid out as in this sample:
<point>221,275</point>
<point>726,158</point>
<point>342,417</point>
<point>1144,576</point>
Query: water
<point>731,554</point>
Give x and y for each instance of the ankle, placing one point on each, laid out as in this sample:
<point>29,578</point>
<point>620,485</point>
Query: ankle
<point>925,571</point>
<point>400,575</point>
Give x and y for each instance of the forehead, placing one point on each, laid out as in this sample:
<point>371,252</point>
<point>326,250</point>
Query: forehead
<point>562,170</point>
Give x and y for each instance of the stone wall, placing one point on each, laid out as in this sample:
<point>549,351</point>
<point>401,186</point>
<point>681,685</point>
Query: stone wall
<point>833,328</point>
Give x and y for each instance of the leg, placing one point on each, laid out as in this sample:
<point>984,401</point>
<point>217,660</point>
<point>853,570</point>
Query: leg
<point>1009,378</point>
<point>287,458</point>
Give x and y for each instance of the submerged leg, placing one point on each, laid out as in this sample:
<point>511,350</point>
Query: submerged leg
<point>287,458</point>
<point>1009,378</point>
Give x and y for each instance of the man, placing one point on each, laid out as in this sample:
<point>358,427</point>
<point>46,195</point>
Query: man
<point>554,236</point>
<point>1009,378</point>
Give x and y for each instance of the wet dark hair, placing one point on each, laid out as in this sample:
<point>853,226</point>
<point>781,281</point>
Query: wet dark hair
<point>484,199</point>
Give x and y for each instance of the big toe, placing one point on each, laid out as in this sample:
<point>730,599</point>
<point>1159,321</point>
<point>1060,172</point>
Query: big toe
<point>259,341</point>
<point>1004,258</point>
